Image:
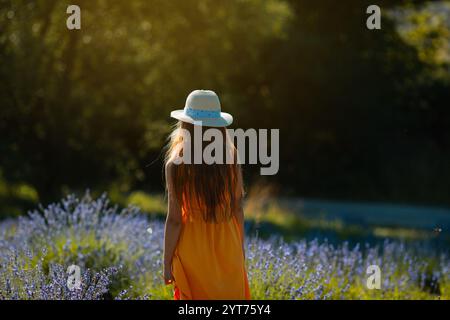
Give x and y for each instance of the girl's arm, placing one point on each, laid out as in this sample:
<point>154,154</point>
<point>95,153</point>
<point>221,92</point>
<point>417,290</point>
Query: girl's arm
<point>240,219</point>
<point>239,206</point>
<point>173,225</point>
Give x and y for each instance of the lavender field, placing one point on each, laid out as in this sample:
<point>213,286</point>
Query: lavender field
<point>119,252</point>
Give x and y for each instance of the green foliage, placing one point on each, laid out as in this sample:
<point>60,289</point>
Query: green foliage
<point>155,205</point>
<point>82,107</point>
<point>428,30</point>
<point>363,114</point>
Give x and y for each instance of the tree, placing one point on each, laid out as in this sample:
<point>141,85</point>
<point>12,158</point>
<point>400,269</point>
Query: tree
<point>89,108</point>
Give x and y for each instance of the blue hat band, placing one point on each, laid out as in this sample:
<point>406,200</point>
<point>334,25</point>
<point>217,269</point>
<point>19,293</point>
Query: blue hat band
<point>197,113</point>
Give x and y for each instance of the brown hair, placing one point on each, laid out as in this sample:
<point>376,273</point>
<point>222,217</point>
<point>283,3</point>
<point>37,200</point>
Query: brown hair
<point>212,188</point>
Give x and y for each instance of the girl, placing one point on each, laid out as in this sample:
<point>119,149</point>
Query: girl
<point>204,232</point>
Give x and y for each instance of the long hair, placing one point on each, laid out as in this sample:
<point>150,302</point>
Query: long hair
<point>212,188</point>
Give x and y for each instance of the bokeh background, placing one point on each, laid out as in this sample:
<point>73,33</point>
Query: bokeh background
<point>364,115</point>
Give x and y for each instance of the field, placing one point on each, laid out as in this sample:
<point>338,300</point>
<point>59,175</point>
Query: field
<point>119,252</point>
<point>354,122</point>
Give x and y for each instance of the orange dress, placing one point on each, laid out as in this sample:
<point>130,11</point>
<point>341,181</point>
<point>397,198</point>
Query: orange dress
<point>208,263</point>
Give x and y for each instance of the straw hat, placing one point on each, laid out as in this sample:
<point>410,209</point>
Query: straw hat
<point>203,108</point>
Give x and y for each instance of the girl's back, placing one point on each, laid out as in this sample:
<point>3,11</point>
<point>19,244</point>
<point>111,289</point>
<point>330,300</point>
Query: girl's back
<point>209,260</point>
<point>204,236</point>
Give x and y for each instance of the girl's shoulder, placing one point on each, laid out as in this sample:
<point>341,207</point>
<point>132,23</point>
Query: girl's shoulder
<point>169,167</point>
<point>174,159</point>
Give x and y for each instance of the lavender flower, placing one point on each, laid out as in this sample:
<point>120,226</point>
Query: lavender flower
<point>119,253</point>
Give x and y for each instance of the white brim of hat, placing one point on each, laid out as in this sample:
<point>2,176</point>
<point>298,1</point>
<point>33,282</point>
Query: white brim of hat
<point>224,120</point>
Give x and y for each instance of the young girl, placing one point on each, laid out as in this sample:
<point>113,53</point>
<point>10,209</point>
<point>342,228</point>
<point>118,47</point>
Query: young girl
<point>204,233</point>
